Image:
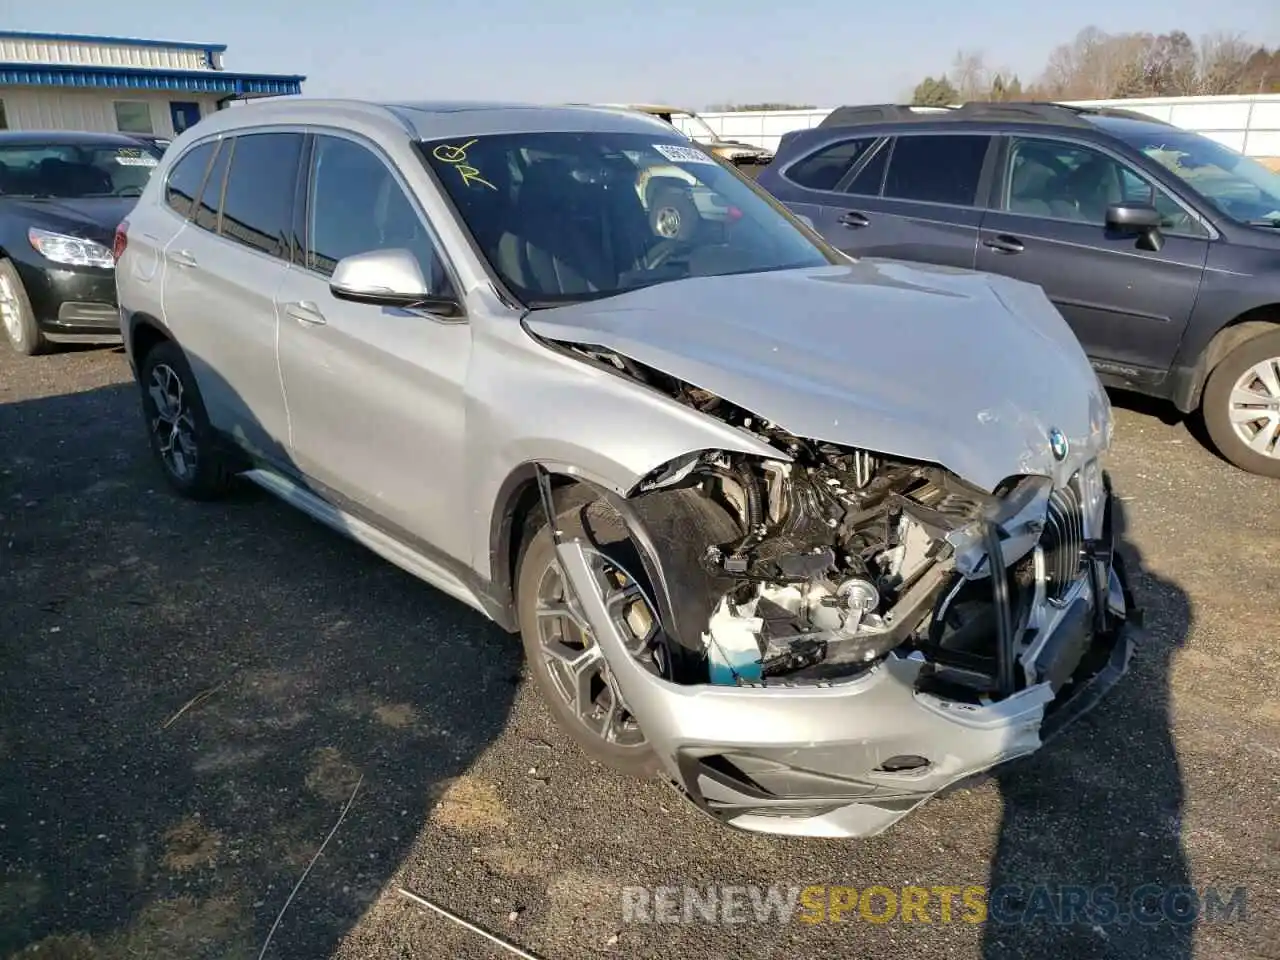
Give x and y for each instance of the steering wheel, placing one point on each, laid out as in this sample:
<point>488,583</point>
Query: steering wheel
<point>664,250</point>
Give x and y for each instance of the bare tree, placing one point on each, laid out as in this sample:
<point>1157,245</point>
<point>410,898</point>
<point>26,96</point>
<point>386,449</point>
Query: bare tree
<point>970,76</point>
<point>1224,63</point>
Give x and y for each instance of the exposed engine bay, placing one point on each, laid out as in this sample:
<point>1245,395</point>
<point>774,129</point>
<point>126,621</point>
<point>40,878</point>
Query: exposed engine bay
<point>844,556</point>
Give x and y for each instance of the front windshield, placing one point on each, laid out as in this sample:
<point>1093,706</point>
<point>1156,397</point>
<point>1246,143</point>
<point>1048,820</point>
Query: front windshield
<point>1240,187</point>
<point>576,216</point>
<point>66,171</point>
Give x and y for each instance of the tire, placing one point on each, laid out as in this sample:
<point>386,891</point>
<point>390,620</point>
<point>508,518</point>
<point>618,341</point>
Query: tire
<point>538,561</point>
<point>16,315</point>
<point>1217,406</point>
<point>205,472</point>
<point>673,215</point>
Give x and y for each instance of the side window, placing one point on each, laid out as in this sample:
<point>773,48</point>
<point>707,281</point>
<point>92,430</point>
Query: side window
<point>257,203</point>
<point>211,197</point>
<point>943,168</point>
<point>825,168</point>
<point>868,181</point>
<point>185,178</point>
<point>1067,181</point>
<point>358,206</point>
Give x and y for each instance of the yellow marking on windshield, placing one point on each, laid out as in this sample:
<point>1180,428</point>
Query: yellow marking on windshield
<point>457,158</point>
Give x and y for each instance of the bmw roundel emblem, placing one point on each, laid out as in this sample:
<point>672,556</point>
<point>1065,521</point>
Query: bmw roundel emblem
<point>1059,444</point>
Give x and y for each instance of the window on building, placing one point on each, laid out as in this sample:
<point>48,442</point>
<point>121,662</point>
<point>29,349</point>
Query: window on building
<point>942,168</point>
<point>357,206</point>
<point>185,178</point>
<point>133,116</point>
<point>824,169</point>
<point>4,121</point>
<point>257,203</point>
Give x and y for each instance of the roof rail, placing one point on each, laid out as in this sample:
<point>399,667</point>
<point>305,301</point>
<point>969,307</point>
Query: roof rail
<point>1017,111</point>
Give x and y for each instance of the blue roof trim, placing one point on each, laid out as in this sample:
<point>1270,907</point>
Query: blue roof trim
<point>143,78</point>
<point>131,41</point>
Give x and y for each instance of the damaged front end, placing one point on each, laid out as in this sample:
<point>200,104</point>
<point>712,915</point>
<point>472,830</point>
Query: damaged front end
<point>875,630</point>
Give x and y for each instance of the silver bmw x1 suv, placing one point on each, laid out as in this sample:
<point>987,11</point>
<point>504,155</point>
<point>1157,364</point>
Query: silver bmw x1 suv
<point>740,495</point>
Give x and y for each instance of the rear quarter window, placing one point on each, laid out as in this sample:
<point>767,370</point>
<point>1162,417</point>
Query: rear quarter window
<point>825,168</point>
<point>183,186</point>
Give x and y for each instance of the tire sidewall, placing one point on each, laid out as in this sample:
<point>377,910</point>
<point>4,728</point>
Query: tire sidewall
<point>1216,404</point>
<point>536,557</point>
<point>684,208</point>
<point>210,478</point>
<point>30,341</point>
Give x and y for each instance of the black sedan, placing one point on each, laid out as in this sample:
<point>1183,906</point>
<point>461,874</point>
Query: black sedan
<point>61,196</point>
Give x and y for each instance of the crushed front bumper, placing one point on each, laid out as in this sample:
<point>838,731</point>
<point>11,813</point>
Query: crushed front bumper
<point>851,757</point>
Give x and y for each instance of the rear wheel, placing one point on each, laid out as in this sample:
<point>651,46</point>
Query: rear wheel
<point>672,215</point>
<point>16,315</point>
<point>178,427</point>
<point>1241,405</point>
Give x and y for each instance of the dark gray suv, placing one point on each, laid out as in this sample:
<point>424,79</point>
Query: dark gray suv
<point>1159,246</point>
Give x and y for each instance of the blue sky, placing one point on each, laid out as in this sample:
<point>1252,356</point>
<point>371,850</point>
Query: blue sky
<point>693,52</point>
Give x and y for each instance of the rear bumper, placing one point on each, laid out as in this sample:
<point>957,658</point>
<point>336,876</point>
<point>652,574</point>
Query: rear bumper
<point>73,303</point>
<point>851,757</point>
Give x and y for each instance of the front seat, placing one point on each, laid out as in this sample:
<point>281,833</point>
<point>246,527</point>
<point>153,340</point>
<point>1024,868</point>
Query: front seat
<point>553,246</point>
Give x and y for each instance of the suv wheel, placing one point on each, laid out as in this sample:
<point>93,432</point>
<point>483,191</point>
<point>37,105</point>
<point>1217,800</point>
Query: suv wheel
<point>16,316</point>
<point>1241,405</point>
<point>673,215</point>
<point>178,427</point>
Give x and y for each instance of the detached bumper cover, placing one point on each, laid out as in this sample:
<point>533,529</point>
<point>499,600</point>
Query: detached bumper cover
<point>846,759</point>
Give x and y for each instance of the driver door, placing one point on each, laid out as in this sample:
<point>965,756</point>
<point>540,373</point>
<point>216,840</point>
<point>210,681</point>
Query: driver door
<point>375,394</point>
<point>1127,304</point>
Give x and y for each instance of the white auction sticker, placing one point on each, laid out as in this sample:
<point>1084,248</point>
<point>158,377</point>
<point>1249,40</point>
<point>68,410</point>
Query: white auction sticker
<point>136,161</point>
<point>678,154</point>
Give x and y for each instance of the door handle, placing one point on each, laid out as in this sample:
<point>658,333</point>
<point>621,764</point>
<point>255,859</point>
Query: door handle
<point>184,258</point>
<point>1003,243</point>
<point>853,219</point>
<point>305,312</point>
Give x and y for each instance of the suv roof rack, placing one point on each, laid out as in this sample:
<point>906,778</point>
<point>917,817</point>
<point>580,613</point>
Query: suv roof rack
<point>1018,111</point>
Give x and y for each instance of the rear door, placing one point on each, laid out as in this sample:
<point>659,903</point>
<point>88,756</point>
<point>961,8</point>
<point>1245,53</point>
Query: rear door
<point>1127,304</point>
<point>916,199</point>
<point>222,271</point>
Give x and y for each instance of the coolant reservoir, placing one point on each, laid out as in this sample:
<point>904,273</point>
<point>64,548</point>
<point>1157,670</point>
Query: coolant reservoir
<point>733,645</point>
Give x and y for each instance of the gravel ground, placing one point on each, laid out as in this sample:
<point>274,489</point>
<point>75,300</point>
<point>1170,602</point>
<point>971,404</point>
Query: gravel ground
<point>310,671</point>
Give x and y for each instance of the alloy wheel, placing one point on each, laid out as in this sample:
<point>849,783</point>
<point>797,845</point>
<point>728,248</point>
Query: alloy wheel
<point>573,658</point>
<point>667,222</point>
<point>1255,407</point>
<point>10,310</point>
<point>172,423</point>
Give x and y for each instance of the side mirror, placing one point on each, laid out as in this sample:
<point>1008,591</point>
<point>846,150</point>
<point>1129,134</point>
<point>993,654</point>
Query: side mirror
<point>1139,218</point>
<point>389,278</point>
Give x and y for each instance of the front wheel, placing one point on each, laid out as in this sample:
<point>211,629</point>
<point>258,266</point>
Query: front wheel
<point>16,315</point>
<point>567,663</point>
<point>1241,405</point>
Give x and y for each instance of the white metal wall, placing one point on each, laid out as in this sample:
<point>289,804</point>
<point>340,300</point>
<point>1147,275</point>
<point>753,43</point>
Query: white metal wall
<point>83,53</point>
<point>56,108</point>
<point>1248,124</point>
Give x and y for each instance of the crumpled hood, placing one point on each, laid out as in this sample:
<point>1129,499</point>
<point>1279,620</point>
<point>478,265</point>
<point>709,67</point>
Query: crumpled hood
<point>967,370</point>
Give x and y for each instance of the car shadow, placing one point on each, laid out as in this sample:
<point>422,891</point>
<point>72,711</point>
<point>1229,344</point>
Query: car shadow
<point>199,698</point>
<point>1091,828</point>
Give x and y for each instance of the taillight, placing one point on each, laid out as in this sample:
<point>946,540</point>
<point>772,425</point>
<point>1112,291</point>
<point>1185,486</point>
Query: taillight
<point>121,240</point>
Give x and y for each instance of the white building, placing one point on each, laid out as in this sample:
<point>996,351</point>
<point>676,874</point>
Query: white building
<point>71,82</point>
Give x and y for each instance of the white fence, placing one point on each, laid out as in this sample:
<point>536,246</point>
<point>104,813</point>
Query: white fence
<point>1250,124</point>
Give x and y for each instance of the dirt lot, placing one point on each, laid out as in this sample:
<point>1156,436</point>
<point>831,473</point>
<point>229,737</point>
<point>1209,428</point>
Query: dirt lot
<point>132,828</point>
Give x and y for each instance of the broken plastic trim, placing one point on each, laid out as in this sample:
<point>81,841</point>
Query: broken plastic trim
<point>1004,615</point>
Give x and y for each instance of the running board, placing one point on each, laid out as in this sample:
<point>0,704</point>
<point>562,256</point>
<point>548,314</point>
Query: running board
<point>366,535</point>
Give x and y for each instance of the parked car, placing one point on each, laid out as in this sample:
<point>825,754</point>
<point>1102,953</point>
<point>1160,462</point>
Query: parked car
<point>698,130</point>
<point>1160,247</point>
<point>61,196</point>
<point>154,140</point>
<point>741,498</point>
